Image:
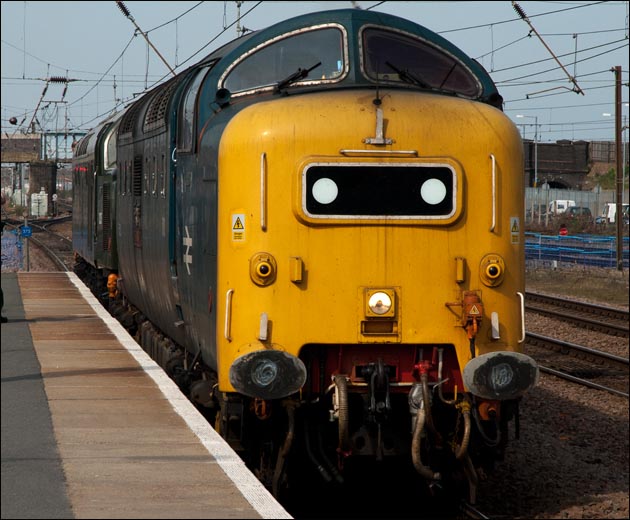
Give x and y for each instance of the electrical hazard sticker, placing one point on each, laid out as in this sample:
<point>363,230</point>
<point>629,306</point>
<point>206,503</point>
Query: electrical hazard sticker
<point>238,227</point>
<point>515,230</point>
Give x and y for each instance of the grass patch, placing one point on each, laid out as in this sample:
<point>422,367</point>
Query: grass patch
<point>607,286</point>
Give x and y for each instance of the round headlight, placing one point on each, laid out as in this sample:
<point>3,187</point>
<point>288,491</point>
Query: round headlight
<point>380,303</point>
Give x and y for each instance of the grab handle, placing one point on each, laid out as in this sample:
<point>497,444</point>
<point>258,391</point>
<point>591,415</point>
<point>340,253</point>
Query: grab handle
<point>522,297</point>
<point>263,191</point>
<point>494,193</point>
<point>227,332</point>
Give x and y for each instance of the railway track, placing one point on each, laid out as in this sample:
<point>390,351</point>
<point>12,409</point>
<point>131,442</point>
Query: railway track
<point>579,364</point>
<point>586,315</point>
<point>469,511</point>
<point>56,247</point>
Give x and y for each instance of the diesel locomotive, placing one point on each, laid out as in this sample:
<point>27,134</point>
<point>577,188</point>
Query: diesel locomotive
<point>317,231</point>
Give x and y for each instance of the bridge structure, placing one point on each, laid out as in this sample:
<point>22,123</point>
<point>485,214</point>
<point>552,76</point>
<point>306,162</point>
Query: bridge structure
<point>45,146</point>
<point>31,162</point>
<point>569,165</point>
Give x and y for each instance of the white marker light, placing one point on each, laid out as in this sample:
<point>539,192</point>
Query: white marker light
<point>433,191</point>
<point>325,190</point>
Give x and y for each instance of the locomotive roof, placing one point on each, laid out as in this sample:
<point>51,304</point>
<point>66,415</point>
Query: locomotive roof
<point>87,143</point>
<point>353,20</point>
<point>349,69</point>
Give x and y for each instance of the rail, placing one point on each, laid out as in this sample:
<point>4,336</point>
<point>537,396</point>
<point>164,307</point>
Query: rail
<point>579,364</point>
<point>595,317</point>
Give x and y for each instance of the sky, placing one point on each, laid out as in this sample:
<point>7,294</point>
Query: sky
<point>540,67</point>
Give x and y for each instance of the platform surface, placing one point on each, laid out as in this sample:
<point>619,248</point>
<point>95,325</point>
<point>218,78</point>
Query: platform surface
<point>93,428</point>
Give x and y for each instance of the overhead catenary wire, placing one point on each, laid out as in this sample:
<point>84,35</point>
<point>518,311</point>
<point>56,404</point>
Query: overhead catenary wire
<point>51,79</point>
<point>503,82</point>
<point>123,8</point>
<point>176,18</point>
<point>522,14</point>
<point>467,28</point>
<point>106,72</point>
<point>538,73</point>
<point>210,42</point>
<point>129,78</point>
<point>37,106</point>
<point>122,102</point>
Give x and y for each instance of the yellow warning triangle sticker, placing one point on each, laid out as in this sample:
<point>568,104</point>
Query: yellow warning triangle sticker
<point>474,310</point>
<point>238,224</point>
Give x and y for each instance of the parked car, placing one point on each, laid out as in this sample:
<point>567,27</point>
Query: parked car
<point>557,207</point>
<point>580,213</point>
<point>609,211</point>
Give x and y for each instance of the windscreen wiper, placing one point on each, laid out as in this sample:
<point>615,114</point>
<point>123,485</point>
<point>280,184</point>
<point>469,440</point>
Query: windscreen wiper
<point>407,77</point>
<point>296,76</point>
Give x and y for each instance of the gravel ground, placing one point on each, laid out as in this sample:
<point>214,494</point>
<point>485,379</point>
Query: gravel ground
<point>571,460</point>
<point>11,252</point>
<point>14,251</point>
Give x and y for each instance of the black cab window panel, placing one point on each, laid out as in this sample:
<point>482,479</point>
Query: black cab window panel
<point>372,191</point>
<point>392,57</point>
<point>320,50</point>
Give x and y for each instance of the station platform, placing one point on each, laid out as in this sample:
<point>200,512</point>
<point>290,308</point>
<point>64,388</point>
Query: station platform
<point>93,428</point>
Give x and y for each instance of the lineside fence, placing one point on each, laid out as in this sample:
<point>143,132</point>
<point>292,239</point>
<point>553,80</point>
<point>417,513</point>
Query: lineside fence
<point>537,202</point>
<point>589,250</point>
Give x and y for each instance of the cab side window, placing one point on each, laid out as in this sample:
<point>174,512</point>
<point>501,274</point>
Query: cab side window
<point>186,124</point>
